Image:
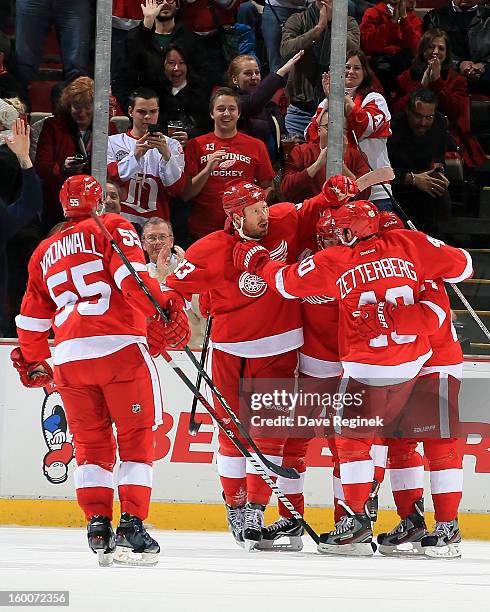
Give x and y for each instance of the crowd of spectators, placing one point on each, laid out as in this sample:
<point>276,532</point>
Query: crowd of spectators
<point>220,90</point>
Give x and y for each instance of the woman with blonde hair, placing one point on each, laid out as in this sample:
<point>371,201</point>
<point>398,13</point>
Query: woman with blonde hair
<point>261,117</point>
<point>65,144</point>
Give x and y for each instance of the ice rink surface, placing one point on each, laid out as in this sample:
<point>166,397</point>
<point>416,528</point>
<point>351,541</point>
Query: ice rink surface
<point>205,571</point>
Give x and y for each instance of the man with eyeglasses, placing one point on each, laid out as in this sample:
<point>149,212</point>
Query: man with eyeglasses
<point>146,46</point>
<point>157,239</point>
<point>156,234</point>
<point>416,150</point>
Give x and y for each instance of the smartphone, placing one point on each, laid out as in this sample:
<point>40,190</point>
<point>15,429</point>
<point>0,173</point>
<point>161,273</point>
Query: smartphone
<point>153,127</point>
<point>80,158</point>
<point>437,172</point>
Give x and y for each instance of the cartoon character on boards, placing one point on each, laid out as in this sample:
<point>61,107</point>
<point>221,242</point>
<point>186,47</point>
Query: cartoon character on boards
<point>57,437</point>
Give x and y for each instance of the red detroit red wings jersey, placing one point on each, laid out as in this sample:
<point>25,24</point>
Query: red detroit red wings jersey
<point>247,159</point>
<point>447,355</point>
<point>390,267</point>
<point>319,355</point>
<point>433,316</point>
<point>250,319</point>
<point>80,287</point>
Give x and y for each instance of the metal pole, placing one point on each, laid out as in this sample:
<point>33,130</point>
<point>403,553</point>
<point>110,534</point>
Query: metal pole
<point>102,75</point>
<point>338,50</point>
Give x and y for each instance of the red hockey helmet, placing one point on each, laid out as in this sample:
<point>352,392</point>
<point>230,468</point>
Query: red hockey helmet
<point>339,189</point>
<point>79,195</point>
<point>389,221</point>
<point>361,217</point>
<point>326,236</point>
<point>240,195</point>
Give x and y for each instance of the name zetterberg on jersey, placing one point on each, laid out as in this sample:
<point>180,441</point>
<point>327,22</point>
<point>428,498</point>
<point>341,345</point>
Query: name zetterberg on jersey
<point>387,267</point>
<point>68,245</point>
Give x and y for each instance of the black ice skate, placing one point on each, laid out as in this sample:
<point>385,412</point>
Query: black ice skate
<point>283,528</point>
<point>405,538</point>
<point>253,522</point>
<point>101,539</point>
<point>352,536</point>
<point>234,516</point>
<point>134,545</point>
<point>443,542</point>
<point>372,502</point>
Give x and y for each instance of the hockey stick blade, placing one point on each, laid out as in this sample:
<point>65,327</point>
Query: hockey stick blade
<point>375,177</point>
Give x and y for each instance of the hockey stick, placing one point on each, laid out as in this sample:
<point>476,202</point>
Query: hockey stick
<point>375,177</point>
<point>258,465</point>
<point>193,424</point>
<point>406,219</point>
<point>277,469</point>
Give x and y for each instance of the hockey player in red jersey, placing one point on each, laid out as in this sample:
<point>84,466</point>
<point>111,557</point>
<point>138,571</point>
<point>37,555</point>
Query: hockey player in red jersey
<point>319,369</point>
<point>79,287</point>
<point>256,333</point>
<point>369,268</point>
<point>433,401</point>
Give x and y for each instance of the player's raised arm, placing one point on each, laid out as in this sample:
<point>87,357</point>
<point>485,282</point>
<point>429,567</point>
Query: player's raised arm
<point>440,260</point>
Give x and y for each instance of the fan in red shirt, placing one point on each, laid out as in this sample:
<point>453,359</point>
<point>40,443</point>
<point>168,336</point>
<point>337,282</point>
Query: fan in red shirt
<point>304,171</point>
<point>79,287</point>
<point>390,33</point>
<point>379,374</point>
<point>432,68</point>
<point>219,159</point>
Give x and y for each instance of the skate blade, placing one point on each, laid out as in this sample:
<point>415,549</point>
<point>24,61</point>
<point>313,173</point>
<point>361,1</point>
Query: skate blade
<point>295,544</point>
<point>105,559</point>
<point>450,551</point>
<point>350,550</point>
<point>125,556</point>
<point>407,549</point>
<point>251,545</point>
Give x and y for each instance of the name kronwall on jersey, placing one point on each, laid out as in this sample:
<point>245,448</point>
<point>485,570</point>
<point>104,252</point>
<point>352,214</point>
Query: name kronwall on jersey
<point>68,245</point>
<point>387,267</point>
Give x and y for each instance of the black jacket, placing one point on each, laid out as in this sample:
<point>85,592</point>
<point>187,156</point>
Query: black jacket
<point>258,111</point>
<point>469,34</point>
<point>409,153</point>
<point>144,60</point>
<point>189,105</point>
<point>13,218</point>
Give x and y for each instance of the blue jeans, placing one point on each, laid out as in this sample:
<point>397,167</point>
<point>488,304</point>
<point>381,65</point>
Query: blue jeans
<point>384,204</point>
<point>71,19</point>
<point>271,31</point>
<point>297,121</point>
<point>248,14</point>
